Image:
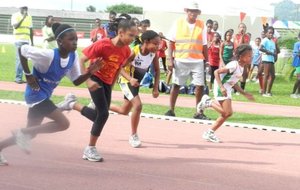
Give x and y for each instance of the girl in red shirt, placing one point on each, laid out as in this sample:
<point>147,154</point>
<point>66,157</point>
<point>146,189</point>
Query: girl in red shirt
<point>214,57</point>
<point>113,53</point>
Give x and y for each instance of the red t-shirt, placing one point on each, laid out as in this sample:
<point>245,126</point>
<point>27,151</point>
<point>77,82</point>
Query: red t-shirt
<point>162,48</point>
<point>99,32</point>
<point>213,55</point>
<point>113,58</point>
<point>241,39</point>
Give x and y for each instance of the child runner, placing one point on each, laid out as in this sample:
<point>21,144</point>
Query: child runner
<point>268,47</point>
<point>296,64</point>
<point>113,52</point>
<point>49,67</point>
<point>214,57</point>
<point>141,58</point>
<point>226,49</point>
<point>256,60</point>
<point>226,78</point>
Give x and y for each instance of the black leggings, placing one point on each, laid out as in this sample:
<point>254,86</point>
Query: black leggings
<point>101,98</point>
<point>212,73</point>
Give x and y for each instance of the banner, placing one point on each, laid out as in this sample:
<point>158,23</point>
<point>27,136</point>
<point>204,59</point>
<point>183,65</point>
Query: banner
<point>274,20</point>
<point>252,19</point>
<point>242,16</point>
<point>286,23</point>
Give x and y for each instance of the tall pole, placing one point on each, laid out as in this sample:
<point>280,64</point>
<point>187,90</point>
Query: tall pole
<point>71,5</point>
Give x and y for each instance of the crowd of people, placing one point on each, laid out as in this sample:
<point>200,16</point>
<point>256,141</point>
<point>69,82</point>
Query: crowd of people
<point>123,51</point>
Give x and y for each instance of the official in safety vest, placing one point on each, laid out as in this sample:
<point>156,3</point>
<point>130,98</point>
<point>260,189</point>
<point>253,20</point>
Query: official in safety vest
<point>22,26</point>
<point>186,60</point>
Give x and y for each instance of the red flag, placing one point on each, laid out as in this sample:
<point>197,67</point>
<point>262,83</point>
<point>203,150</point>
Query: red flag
<point>242,16</point>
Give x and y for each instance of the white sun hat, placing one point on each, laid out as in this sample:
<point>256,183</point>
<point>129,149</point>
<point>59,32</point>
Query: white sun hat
<point>192,6</point>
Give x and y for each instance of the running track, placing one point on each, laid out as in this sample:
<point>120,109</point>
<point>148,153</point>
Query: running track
<point>173,157</point>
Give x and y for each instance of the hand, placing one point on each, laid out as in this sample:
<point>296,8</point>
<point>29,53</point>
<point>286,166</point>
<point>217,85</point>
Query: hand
<point>95,66</point>
<point>224,91</point>
<point>32,82</point>
<point>249,96</point>
<point>155,93</point>
<point>134,82</point>
<point>92,85</point>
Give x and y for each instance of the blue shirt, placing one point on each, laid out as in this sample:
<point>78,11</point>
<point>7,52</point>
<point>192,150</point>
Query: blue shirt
<point>256,55</point>
<point>270,46</point>
<point>296,51</point>
<point>48,81</point>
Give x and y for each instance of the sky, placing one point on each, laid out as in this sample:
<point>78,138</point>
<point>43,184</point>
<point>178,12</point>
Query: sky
<point>207,6</point>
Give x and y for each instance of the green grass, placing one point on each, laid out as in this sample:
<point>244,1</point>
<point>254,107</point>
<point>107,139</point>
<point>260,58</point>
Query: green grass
<point>281,88</point>
<point>286,122</point>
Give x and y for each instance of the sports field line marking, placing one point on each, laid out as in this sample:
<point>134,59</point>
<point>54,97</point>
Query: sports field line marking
<point>188,120</point>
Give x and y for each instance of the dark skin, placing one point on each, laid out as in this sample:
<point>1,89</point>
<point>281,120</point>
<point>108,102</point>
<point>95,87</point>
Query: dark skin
<point>23,11</point>
<point>67,44</point>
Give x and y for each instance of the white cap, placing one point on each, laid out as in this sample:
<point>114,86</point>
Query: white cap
<point>192,6</point>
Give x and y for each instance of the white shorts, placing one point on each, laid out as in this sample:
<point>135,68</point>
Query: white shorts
<point>182,71</point>
<point>218,94</point>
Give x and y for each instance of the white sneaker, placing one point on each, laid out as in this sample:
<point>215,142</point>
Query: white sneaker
<point>210,136</point>
<point>3,161</point>
<point>65,105</point>
<point>90,153</point>
<point>204,103</point>
<point>295,96</point>
<point>134,141</point>
<point>268,95</point>
<point>22,140</point>
<point>91,105</point>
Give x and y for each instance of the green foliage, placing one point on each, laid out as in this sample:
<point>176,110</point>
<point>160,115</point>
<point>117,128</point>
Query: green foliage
<point>125,8</point>
<point>91,8</point>
<point>288,41</point>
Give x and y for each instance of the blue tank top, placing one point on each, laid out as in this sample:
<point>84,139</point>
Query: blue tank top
<point>48,81</point>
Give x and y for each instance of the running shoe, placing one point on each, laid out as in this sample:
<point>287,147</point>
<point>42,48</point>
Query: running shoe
<point>204,103</point>
<point>22,140</point>
<point>3,161</point>
<point>134,141</point>
<point>210,136</point>
<point>170,113</point>
<point>295,96</point>
<point>65,105</point>
<point>90,153</point>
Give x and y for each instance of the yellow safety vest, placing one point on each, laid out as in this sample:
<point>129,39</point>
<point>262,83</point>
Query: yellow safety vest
<point>23,32</point>
<point>188,43</point>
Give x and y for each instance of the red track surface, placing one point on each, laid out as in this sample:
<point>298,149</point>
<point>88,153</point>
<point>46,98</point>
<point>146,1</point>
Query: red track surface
<point>173,157</point>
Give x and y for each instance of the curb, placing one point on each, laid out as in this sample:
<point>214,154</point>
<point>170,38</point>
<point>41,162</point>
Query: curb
<point>188,120</point>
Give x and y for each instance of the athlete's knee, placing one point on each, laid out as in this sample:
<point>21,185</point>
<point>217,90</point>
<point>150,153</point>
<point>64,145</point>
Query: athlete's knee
<point>138,107</point>
<point>227,114</point>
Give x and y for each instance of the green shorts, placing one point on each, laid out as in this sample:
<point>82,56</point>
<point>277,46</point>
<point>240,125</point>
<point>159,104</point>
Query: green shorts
<point>297,72</point>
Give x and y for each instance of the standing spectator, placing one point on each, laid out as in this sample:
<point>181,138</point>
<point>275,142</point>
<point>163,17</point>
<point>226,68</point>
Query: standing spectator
<point>215,27</point>
<point>242,38</point>
<point>161,51</point>
<point>110,32</point>
<point>97,33</point>
<point>296,64</point>
<point>189,36</point>
<point>256,59</point>
<point>210,32</point>
<point>22,25</point>
<point>214,57</point>
<point>226,49</point>
<point>268,47</point>
<point>48,35</point>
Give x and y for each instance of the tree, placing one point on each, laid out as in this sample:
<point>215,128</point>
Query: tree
<point>287,10</point>
<point>125,8</point>
<point>91,8</point>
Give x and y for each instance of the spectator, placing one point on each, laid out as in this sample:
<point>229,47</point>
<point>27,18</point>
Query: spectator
<point>110,32</point>
<point>48,35</point>
<point>161,51</point>
<point>97,33</point>
<point>190,38</point>
<point>296,64</point>
<point>210,32</point>
<point>22,25</point>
